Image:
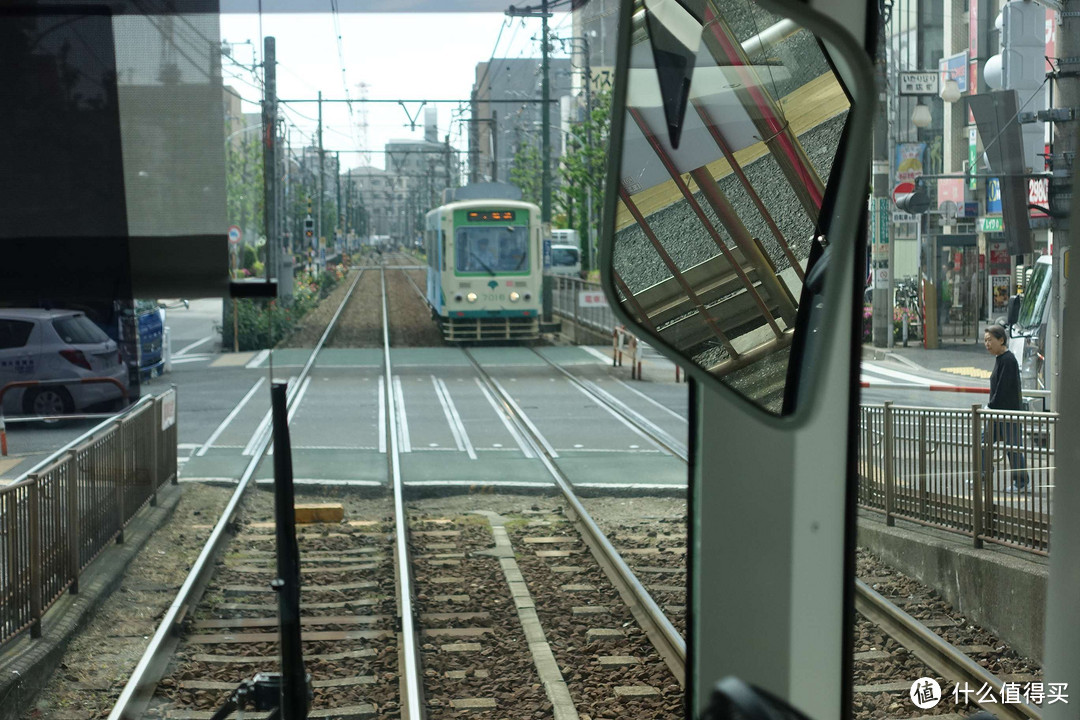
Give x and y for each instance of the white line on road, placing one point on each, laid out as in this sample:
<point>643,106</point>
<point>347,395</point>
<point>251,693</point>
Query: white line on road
<point>906,377</point>
<point>617,416</point>
<point>294,408</point>
<point>525,419</point>
<point>184,350</point>
<point>263,429</point>
<point>660,405</point>
<point>382,414</point>
<point>593,351</point>
<point>190,359</point>
<point>229,418</point>
<point>506,421</point>
<point>402,421</point>
<point>257,360</point>
<point>659,432</point>
<point>457,428</point>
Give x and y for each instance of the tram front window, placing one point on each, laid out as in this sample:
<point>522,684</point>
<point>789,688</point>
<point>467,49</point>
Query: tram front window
<point>492,249</point>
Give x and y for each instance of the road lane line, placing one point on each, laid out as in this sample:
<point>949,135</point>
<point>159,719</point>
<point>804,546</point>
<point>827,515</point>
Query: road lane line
<point>295,406</point>
<point>382,415</point>
<point>229,418</point>
<point>506,421</point>
<point>457,420</point>
<point>660,405</point>
<point>184,350</point>
<point>906,377</point>
<point>617,416</point>
<point>257,360</point>
<point>597,353</point>
<point>402,421</point>
<point>264,427</point>
<point>190,359</point>
<point>446,413</point>
<point>525,419</point>
<point>639,418</point>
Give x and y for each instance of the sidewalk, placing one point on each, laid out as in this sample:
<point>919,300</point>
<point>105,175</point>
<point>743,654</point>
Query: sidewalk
<point>966,363</point>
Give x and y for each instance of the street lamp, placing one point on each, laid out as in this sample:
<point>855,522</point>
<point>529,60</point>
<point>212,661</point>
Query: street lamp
<point>920,116</point>
<point>950,91</point>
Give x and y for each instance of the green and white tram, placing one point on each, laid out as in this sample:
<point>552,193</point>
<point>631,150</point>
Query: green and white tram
<point>485,269</point>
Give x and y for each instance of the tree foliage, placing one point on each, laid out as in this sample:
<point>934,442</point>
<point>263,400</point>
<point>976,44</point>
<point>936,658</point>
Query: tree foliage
<point>584,166</point>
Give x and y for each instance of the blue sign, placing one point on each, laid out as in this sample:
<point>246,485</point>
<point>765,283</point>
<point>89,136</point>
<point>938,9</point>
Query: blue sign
<point>547,253</point>
<point>993,196</point>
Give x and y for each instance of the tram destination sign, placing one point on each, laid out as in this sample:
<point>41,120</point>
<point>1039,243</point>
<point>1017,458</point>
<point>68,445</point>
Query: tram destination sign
<point>919,82</point>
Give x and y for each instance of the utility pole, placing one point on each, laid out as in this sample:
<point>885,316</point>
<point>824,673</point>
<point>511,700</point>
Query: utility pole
<point>269,127</point>
<point>1063,146</point>
<point>337,181</point>
<point>319,199</point>
<point>589,259</point>
<point>880,269</point>
<point>493,128</point>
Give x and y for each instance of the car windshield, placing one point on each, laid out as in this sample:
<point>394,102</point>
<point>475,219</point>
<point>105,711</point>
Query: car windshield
<point>1036,296</point>
<point>564,256</point>
<point>78,330</point>
<point>492,249</point>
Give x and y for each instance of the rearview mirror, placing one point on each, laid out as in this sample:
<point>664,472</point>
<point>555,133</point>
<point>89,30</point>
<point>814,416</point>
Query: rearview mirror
<point>726,130</point>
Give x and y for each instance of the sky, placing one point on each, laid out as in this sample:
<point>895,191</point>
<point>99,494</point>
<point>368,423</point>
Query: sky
<point>411,56</point>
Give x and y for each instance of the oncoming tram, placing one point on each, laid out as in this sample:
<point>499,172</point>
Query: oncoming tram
<point>484,269</point>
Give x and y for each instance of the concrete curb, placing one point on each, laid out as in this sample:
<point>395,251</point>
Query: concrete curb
<point>26,664</point>
<point>997,589</point>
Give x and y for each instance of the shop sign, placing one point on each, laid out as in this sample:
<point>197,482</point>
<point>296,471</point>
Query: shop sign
<point>1038,194</point>
<point>919,82</point>
<point>991,224</point>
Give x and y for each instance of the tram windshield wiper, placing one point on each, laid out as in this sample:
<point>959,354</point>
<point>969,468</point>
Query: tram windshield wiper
<point>482,263</point>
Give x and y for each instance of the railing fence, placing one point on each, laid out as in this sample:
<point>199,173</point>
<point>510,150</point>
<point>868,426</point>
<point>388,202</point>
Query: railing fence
<point>985,473</point>
<point>57,519</point>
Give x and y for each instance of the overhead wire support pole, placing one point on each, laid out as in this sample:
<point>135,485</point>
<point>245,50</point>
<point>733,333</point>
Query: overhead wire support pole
<point>269,129</point>
<point>319,199</point>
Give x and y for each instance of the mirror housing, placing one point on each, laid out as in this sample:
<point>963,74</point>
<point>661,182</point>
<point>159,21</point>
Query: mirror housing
<point>1014,310</point>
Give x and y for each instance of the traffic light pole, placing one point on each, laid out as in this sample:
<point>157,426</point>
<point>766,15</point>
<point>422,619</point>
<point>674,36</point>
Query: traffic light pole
<point>270,178</point>
<point>881,248</point>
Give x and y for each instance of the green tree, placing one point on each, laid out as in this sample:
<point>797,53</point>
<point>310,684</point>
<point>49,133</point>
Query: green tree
<point>527,173</point>
<point>244,183</point>
<point>585,166</point>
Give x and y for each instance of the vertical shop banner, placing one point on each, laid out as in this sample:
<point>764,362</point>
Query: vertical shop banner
<point>909,161</point>
<point>993,196</point>
<point>999,293</point>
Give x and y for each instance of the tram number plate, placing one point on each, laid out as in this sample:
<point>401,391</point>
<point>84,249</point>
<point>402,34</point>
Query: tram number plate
<point>592,298</point>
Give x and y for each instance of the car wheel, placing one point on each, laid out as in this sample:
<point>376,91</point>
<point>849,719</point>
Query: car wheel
<point>48,401</point>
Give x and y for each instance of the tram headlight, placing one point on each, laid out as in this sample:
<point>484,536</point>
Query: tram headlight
<point>514,297</point>
<point>471,297</point>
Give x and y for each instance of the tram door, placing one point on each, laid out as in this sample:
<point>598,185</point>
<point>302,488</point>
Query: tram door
<point>734,220</point>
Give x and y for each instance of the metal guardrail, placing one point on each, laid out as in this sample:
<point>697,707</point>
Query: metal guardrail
<point>565,296</point>
<point>56,519</point>
<point>984,473</point>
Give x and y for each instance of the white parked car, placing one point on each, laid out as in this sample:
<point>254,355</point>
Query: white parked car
<point>57,345</point>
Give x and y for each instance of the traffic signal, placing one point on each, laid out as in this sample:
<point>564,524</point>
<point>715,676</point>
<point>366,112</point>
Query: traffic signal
<point>916,202</point>
<point>309,230</point>
<point>1021,66</point>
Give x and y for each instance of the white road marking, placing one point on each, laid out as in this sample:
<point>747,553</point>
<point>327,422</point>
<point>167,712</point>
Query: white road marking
<point>258,360</point>
<point>229,418</point>
<point>295,407</point>
<point>660,405</point>
<point>525,419</point>
<point>402,421</point>
<point>616,415</point>
<point>906,377</point>
<point>457,427</point>
<point>190,359</point>
<point>506,421</point>
<point>597,353</point>
<point>184,350</point>
<point>643,421</point>
<point>262,430</point>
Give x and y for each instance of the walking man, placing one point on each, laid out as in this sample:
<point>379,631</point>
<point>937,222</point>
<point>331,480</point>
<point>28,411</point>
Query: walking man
<point>1005,395</point>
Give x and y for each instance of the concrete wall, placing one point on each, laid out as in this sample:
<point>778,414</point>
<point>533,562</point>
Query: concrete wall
<point>997,589</point>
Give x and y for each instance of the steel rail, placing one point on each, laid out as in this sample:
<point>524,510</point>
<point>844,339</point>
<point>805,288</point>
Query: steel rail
<point>412,696</point>
<point>663,635</point>
<point>657,435</point>
<point>143,681</point>
<point>939,655</point>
